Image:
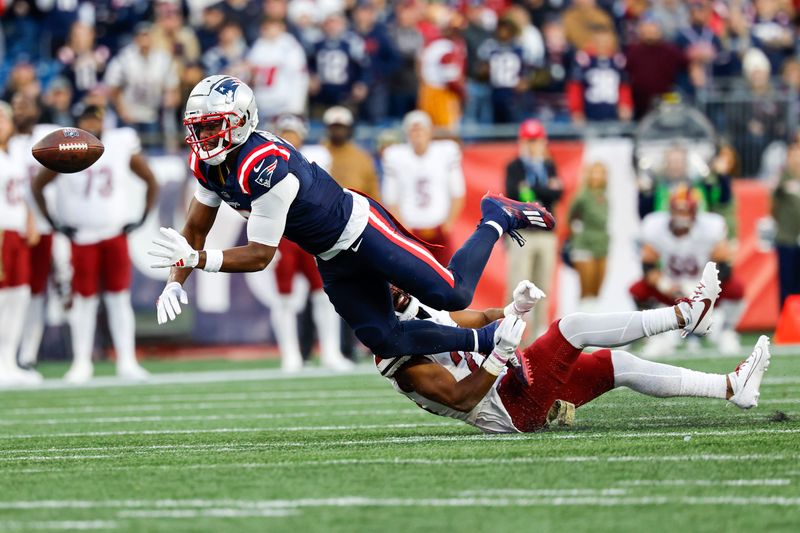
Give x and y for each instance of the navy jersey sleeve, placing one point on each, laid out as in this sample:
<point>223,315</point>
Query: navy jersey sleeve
<point>263,168</point>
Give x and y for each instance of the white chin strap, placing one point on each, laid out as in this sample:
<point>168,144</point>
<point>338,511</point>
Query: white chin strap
<point>411,310</point>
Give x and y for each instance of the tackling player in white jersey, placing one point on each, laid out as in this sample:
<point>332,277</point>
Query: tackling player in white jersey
<point>15,230</point>
<point>553,375</point>
<point>676,244</point>
<point>29,132</point>
<point>92,210</point>
<point>423,184</point>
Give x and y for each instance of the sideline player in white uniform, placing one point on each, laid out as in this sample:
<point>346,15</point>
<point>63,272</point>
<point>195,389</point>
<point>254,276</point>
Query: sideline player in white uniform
<point>424,183</point>
<point>15,229</point>
<point>29,132</point>
<point>554,376</point>
<point>92,211</point>
<point>293,260</point>
<point>675,246</point>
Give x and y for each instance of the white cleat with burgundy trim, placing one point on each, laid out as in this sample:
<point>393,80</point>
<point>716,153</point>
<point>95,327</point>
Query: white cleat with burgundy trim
<point>701,304</point>
<point>746,379</point>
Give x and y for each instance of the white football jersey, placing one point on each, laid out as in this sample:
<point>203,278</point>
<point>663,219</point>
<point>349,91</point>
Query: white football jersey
<point>95,201</point>
<point>13,184</point>
<point>19,147</point>
<point>490,415</point>
<point>316,153</point>
<point>280,76</point>
<point>683,258</point>
<point>423,187</point>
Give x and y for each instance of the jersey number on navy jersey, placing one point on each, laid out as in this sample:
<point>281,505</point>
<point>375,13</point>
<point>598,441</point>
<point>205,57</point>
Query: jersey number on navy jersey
<point>504,69</point>
<point>602,86</point>
<point>333,66</point>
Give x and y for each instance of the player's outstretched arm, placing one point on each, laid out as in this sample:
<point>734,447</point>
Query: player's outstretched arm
<point>434,382</point>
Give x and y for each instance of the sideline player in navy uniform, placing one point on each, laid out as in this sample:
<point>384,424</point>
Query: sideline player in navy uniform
<point>359,247</point>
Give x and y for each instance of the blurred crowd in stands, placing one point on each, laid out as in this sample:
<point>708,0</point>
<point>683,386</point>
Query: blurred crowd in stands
<point>462,61</point>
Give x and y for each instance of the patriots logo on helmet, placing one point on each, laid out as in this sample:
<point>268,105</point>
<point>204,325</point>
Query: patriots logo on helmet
<point>227,88</point>
<point>266,180</point>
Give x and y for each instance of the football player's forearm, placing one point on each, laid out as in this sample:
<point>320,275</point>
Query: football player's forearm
<point>253,257</point>
<point>471,390</point>
<point>469,318</point>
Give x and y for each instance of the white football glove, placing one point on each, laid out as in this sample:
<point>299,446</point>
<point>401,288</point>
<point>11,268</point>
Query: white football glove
<point>174,252</point>
<point>526,295</point>
<point>506,340</point>
<point>168,305</point>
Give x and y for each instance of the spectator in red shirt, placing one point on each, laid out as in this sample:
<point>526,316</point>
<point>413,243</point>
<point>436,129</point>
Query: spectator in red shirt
<point>653,65</point>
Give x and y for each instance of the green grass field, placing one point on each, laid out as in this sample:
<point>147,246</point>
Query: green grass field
<point>251,452</point>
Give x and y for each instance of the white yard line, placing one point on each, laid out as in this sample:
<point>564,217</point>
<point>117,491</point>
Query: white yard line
<point>351,427</point>
<point>448,463</point>
<point>69,525</point>
<point>213,512</point>
<point>444,423</point>
<point>176,506</point>
<point>705,482</point>
<point>201,418</point>
<point>211,376</point>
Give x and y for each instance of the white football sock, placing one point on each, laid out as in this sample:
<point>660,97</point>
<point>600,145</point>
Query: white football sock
<point>603,330</point>
<point>664,381</point>
<point>284,324</point>
<point>82,323</point>
<point>655,321</point>
<point>34,328</point>
<point>14,304</point>
<point>327,323</point>
<point>122,325</point>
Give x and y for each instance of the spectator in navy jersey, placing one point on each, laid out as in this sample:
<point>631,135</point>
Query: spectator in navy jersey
<point>503,63</point>
<point>338,67</point>
<point>598,88</point>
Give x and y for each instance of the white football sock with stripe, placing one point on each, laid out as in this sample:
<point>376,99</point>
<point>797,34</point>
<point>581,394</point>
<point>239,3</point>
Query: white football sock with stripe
<point>664,381</point>
<point>284,324</point>
<point>328,327</point>
<point>13,304</point>
<point>122,326</point>
<point>82,323</point>
<point>34,329</point>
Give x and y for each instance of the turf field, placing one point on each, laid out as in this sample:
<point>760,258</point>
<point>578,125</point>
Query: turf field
<point>245,450</point>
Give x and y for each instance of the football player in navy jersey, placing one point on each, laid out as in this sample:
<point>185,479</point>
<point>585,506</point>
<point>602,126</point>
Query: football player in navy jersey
<point>359,247</point>
<point>598,88</point>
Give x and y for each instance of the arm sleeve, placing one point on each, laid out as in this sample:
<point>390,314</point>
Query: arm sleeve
<point>391,188</point>
<point>206,197</point>
<point>455,176</point>
<point>269,211</point>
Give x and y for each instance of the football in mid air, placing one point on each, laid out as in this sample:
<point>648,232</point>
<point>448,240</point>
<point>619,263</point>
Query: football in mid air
<point>68,150</point>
